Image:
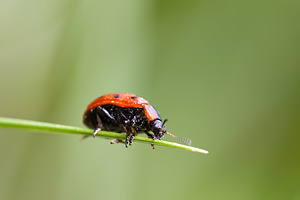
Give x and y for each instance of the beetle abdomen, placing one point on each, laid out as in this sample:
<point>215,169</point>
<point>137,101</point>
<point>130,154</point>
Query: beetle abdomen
<point>115,118</point>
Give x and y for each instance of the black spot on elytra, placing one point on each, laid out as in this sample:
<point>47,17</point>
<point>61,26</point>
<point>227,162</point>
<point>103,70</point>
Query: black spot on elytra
<point>134,97</point>
<point>116,95</point>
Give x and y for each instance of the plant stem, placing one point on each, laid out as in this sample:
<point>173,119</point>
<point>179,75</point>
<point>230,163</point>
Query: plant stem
<point>49,127</point>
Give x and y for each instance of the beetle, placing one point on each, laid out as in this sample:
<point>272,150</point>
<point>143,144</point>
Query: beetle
<point>121,112</point>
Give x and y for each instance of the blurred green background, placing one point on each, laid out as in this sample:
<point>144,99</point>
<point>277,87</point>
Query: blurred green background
<point>225,73</point>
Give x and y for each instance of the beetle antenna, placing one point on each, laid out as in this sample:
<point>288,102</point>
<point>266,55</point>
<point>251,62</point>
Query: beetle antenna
<point>186,141</point>
<point>163,124</point>
<point>165,121</point>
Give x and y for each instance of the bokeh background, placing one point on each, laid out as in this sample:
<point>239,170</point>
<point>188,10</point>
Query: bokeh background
<point>225,73</point>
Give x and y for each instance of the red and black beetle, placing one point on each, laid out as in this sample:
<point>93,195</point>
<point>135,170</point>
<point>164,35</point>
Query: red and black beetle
<point>120,112</point>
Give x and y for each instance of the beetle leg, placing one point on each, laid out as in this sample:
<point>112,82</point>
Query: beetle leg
<point>116,141</point>
<point>127,139</point>
<point>99,125</point>
<point>106,112</point>
<point>151,137</point>
<point>127,136</point>
<point>84,137</point>
<point>133,135</point>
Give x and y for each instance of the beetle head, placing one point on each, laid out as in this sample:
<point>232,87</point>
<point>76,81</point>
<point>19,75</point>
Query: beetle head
<point>158,128</point>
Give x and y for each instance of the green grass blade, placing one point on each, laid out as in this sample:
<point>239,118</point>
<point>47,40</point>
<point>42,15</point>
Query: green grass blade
<point>57,128</point>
